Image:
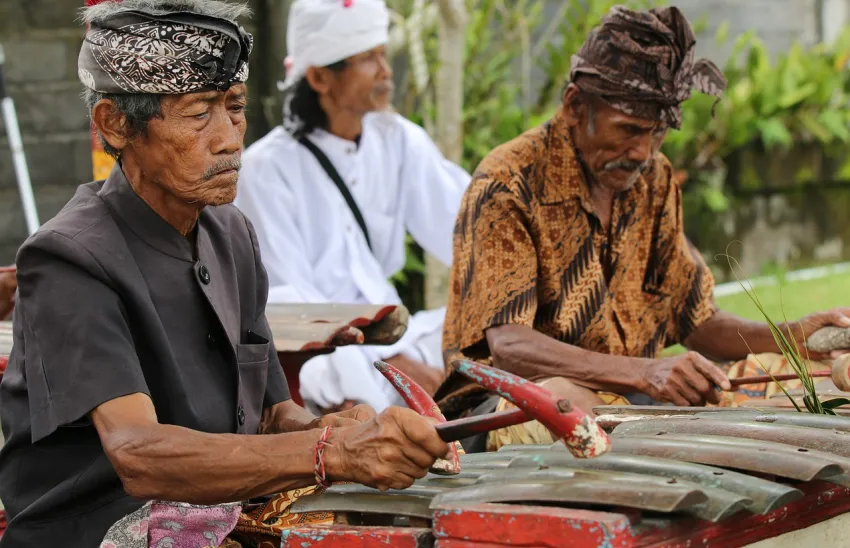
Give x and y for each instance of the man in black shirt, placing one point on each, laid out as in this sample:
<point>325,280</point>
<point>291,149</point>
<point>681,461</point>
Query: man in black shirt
<point>142,366</point>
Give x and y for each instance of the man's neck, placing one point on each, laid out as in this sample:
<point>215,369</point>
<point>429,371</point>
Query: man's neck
<point>176,212</point>
<point>601,197</point>
<point>344,123</point>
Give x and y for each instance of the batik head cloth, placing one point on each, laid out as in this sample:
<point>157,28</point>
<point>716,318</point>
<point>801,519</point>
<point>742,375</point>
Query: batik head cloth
<point>323,32</point>
<point>172,54</point>
<point>642,64</point>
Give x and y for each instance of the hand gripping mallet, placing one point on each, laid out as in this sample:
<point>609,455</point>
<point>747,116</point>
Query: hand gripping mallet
<point>840,375</point>
<point>420,401</point>
<point>580,433</point>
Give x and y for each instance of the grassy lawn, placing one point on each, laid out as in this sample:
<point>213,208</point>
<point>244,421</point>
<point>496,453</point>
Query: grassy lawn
<point>796,299</point>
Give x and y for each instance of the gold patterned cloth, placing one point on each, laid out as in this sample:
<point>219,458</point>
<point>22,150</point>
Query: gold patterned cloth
<point>756,365</point>
<point>529,250</point>
<point>261,525</point>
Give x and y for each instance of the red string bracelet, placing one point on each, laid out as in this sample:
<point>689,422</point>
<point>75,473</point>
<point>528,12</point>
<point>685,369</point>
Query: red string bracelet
<point>319,452</point>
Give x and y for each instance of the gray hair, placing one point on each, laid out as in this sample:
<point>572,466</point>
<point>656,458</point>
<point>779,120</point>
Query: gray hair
<point>140,108</point>
<point>211,8</point>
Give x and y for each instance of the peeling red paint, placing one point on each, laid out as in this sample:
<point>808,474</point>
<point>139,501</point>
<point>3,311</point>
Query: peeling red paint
<point>582,436</point>
<point>344,536</point>
<point>421,401</point>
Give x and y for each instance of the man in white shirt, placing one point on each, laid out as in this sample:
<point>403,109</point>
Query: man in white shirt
<point>340,138</point>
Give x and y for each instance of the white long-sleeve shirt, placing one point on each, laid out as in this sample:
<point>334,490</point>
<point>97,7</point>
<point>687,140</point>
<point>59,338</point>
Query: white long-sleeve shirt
<point>314,250</point>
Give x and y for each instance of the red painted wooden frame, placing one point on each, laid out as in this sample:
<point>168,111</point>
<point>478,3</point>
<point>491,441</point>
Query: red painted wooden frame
<point>491,525</point>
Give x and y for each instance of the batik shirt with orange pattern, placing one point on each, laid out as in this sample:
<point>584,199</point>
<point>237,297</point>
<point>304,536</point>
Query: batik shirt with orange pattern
<point>529,250</point>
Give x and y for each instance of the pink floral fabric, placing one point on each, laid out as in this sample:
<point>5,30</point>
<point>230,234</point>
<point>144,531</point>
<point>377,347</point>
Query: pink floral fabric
<point>173,524</point>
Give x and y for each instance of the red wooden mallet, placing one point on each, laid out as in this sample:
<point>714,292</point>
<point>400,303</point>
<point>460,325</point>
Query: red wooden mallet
<point>579,431</point>
<point>840,375</point>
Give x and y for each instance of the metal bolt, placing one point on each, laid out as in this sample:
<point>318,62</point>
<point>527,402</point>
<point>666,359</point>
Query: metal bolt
<point>564,406</point>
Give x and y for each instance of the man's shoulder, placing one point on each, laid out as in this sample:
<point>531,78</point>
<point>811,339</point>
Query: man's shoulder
<point>74,221</point>
<point>507,168</point>
<point>82,228</point>
<point>276,144</point>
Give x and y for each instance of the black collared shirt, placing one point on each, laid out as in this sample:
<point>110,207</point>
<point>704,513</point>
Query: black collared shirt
<point>112,302</point>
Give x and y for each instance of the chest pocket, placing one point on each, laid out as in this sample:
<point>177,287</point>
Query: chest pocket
<point>252,358</point>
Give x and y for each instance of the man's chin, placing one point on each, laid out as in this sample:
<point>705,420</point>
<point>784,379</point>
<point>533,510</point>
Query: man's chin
<point>218,196</point>
<point>618,183</point>
<point>222,198</point>
<point>382,101</point>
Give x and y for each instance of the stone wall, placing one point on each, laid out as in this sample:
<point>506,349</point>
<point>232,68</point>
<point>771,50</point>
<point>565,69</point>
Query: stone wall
<point>42,40</point>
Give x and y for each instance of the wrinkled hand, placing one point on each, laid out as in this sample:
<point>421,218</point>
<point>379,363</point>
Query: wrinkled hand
<point>389,451</point>
<point>800,330</point>
<point>8,286</point>
<point>685,380</point>
<point>355,416</point>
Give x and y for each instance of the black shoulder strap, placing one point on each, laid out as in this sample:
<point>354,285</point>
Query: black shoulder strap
<point>332,173</point>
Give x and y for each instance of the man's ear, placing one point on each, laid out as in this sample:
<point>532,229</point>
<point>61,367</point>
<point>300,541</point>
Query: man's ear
<point>319,79</point>
<point>573,104</point>
<point>111,124</point>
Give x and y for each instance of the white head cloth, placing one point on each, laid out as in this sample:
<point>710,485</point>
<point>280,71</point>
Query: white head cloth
<point>323,32</point>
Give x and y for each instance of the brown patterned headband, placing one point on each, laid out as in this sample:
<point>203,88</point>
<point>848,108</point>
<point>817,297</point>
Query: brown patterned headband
<point>172,54</point>
<point>642,63</point>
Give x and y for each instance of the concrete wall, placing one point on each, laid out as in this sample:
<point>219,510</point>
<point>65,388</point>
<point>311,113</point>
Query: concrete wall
<point>42,40</point>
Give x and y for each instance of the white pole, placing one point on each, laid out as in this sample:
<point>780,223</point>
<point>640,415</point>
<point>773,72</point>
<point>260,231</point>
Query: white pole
<point>14,134</point>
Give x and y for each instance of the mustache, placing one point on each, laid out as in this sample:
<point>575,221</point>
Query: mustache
<point>626,165</point>
<point>234,162</point>
<point>384,87</point>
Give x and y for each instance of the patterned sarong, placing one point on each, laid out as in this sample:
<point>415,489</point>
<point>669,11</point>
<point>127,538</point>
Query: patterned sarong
<point>160,524</point>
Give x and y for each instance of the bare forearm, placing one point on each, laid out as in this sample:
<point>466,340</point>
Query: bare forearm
<point>174,463</point>
<point>525,352</point>
<point>727,337</point>
<point>286,416</point>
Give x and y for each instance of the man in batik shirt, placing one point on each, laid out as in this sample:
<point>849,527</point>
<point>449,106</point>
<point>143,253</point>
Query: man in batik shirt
<point>571,264</point>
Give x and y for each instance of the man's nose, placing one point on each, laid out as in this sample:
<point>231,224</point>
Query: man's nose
<point>641,149</point>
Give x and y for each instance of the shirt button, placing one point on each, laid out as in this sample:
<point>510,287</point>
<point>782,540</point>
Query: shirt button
<point>353,182</point>
<point>240,415</point>
<point>211,342</point>
<point>204,275</point>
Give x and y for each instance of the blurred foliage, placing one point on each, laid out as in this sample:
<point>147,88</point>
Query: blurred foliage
<point>518,59</point>
<point>799,99</point>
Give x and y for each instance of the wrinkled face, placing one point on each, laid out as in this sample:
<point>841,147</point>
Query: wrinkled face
<point>193,150</point>
<point>364,85</point>
<point>616,147</point>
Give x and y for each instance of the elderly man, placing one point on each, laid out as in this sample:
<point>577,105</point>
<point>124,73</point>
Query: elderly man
<point>335,191</point>
<point>142,366</point>
<point>571,262</point>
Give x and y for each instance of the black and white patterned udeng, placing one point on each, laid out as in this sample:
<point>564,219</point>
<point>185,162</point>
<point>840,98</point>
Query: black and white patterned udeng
<point>172,54</point>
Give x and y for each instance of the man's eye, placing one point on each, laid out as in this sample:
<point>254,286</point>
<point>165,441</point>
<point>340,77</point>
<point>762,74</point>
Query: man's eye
<point>238,108</point>
<point>201,115</point>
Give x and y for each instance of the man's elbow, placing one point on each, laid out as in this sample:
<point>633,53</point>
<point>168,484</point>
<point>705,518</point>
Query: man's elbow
<point>503,341</point>
<point>126,452</point>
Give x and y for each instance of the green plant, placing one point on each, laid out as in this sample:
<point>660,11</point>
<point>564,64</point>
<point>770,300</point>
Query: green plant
<point>801,97</point>
<point>790,349</point>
